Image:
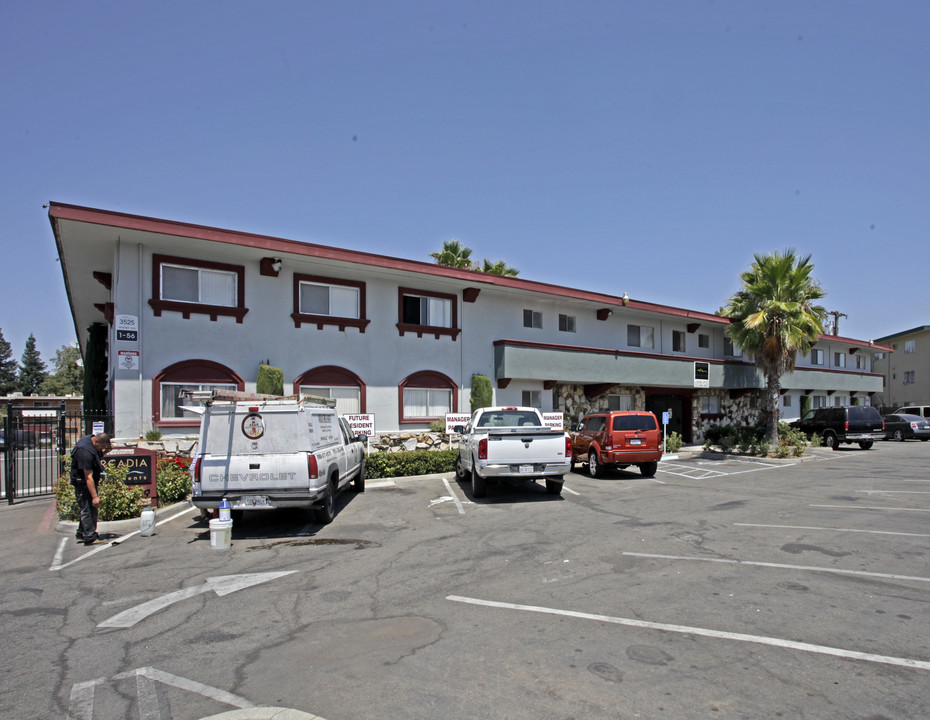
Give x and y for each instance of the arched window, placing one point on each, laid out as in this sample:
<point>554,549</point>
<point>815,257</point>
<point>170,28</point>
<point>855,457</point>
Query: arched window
<point>344,386</point>
<point>187,375</point>
<point>426,396</point>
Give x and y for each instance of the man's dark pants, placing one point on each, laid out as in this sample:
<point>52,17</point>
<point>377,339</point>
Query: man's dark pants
<point>87,529</point>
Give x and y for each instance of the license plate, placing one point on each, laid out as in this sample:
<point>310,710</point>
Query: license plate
<point>252,501</point>
<point>526,469</point>
<point>636,441</point>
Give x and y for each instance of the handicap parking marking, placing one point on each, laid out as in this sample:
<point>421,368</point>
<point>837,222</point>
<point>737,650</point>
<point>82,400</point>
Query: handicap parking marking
<point>699,471</point>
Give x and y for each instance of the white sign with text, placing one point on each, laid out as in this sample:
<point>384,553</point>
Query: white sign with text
<point>553,420</point>
<point>361,424</point>
<point>453,419</point>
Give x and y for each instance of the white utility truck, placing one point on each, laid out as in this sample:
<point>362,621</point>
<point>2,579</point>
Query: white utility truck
<point>511,444</point>
<point>263,452</point>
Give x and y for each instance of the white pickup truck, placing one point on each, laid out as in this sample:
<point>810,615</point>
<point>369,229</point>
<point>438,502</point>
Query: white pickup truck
<point>511,444</point>
<point>264,452</point>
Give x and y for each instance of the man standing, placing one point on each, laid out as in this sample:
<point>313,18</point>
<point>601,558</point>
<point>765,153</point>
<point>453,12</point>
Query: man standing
<point>86,468</point>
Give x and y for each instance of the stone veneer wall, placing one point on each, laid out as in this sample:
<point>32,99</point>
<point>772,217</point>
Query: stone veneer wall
<point>743,411</point>
<point>408,441</point>
<point>574,403</point>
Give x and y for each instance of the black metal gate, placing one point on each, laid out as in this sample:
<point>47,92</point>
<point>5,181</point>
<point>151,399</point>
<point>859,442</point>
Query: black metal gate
<point>34,443</point>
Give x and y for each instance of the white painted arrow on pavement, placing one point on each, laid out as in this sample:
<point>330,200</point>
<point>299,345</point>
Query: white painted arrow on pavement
<point>223,585</point>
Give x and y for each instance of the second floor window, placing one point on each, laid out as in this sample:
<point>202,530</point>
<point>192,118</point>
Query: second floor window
<point>567,323</point>
<point>839,360</point>
<point>910,346</point>
<point>332,300</point>
<point>731,350</point>
<point>198,285</point>
<point>640,336</point>
<point>532,319</point>
<point>703,340</point>
<point>816,357</point>
<point>909,377</point>
<point>425,310</point>
<point>678,341</point>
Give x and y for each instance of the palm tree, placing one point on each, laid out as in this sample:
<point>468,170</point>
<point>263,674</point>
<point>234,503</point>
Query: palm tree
<point>453,254</point>
<point>499,268</point>
<point>774,318</point>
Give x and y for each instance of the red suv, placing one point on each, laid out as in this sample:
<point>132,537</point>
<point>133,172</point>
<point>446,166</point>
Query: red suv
<point>617,440</point>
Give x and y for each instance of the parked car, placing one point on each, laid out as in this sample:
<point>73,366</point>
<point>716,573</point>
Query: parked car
<point>618,439</point>
<point>922,410</point>
<point>901,427</point>
<point>843,424</point>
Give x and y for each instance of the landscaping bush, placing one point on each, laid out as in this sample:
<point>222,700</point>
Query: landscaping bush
<point>749,439</point>
<point>414,462</point>
<point>172,480</point>
<point>118,501</point>
<point>673,442</point>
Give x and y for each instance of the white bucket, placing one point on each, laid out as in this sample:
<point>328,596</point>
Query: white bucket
<point>147,522</point>
<point>220,534</point>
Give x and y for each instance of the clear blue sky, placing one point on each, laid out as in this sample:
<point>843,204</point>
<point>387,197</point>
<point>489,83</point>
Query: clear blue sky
<point>640,147</point>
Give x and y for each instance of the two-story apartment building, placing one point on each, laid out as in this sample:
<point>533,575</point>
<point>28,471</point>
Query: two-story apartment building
<point>187,306</point>
<point>907,370</point>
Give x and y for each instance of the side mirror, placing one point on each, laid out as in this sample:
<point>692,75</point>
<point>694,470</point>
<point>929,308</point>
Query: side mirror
<point>458,429</point>
<point>363,438</point>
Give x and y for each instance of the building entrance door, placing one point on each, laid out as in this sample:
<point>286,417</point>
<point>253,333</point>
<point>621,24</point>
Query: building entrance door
<point>680,408</point>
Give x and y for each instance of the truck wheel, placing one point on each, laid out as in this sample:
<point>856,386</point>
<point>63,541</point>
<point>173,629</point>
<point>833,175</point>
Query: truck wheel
<point>829,440</point>
<point>649,469</point>
<point>554,487</point>
<point>571,465</point>
<point>327,509</point>
<point>460,472</point>
<point>358,485</point>
<point>594,467</point>
<point>479,485</point>
<point>865,444</point>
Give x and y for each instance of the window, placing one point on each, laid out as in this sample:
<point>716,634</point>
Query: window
<point>839,359</point>
<point>879,356</point>
<point>858,361</point>
<point>731,350</point>
<point>620,402</point>
<point>196,286</point>
<point>819,401</point>
<point>531,398</point>
<point>909,377</point>
<point>426,396</point>
<point>343,386</point>
<point>426,312</point>
<point>910,346</point>
<point>710,404</point>
<point>533,319</point>
<point>678,340</point>
<point>187,375</point>
<point>703,340</point>
<point>786,401</point>
<point>324,301</point>
<point>640,336</point>
<point>567,323</point>
<point>816,357</point>
<point>839,400</point>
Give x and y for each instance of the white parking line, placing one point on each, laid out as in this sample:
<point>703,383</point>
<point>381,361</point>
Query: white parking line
<point>455,498</point>
<point>781,566</point>
<point>705,632</point>
<point>872,507</point>
<point>833,529</point>
<point>894,492</point>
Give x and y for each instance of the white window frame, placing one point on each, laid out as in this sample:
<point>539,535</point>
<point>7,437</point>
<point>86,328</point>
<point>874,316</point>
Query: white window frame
<point>620,401</point>
<point>179,401</point>
<point>531,398</point>
<point>731,349</point>
<point>348,397</point>
<point>333,289</point>
<point>910,346</point>
<point>710,404</point>
<point>438,402</point>
<point>680,338</point>
<point>839,359</point>
<point>566,323</point>
<point>644,336</point>
<point>532,319</point>
<point>703,340</point>
<point>204,275</point>
<point>816,356</point>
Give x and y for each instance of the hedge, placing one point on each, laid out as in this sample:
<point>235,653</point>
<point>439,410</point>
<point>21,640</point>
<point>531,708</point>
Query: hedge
<point>414,462</point>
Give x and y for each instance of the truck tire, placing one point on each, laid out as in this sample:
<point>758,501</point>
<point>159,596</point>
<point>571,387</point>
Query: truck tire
<point>479,485</point>
<point>830,441</point>
<point>358,484</point>
<point>327,509</point>
<point>865,444</point>
<point>594,467</point>
<point>649,469</point>
<point>553,486</point>
<point>460,472</point>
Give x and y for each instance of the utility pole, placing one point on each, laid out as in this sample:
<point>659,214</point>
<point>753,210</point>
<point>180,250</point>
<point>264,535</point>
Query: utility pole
<point>836,320</point>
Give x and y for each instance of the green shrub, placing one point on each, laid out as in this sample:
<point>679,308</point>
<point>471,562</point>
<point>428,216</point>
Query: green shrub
<point>153,435</point>
<point>415,462</point>
<point>673,442</point>
<point>270,380</point>
<point>118,501</point>
<point>816,440</point>
<point>762,449</point>
<point>172,480</point>
<point>437,426</point>
<point>481,391</point>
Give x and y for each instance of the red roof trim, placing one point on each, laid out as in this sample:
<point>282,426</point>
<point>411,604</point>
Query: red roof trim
<point>109,218</point>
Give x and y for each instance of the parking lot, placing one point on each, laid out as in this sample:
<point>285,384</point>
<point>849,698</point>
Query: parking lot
<point>732,588</point>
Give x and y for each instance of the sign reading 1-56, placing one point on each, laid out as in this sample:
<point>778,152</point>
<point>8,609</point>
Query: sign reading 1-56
<point>127,328</point>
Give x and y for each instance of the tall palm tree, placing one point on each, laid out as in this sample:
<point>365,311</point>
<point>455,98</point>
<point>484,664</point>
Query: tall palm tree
<point>774,318</point>
<point>453,254</point>
<point>499,268</point>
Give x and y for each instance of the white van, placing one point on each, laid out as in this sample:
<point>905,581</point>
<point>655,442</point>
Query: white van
<point>922,410</point>
<point>263,454</point>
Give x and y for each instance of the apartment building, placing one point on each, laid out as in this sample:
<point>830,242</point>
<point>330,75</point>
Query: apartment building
<point>185,306</point>
<point>906,370</point>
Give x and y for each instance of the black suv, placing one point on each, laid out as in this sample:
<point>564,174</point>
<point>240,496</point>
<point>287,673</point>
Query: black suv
<point>844,424</point>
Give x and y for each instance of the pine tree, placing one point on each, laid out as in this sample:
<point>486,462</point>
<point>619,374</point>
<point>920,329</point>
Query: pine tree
<point>32,371</point>
<point>8,367</point>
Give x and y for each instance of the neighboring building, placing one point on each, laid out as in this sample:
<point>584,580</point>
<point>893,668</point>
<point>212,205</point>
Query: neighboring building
<point>188,306</point>
<point>41,412</point>
<point>907,369</point>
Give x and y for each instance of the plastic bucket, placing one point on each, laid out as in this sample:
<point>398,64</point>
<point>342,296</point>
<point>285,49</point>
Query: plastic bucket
<point>147,522</point>
<point>220,534</point>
